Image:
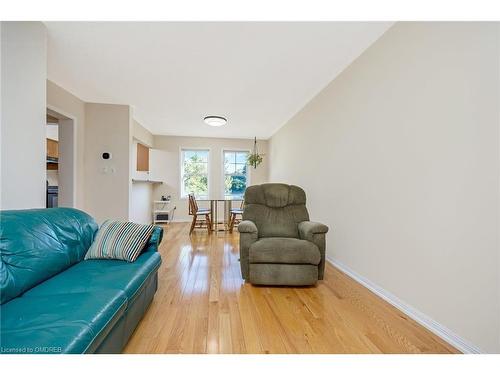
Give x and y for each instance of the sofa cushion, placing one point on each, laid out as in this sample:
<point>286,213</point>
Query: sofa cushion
<point>284,250</point>
<point>119,240</point>
<point>95,275</point>
<point>62,323</point>
<point>37,244</point>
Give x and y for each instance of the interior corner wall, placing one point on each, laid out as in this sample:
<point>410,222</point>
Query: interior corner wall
<point>141,203</point>
<point>399,156</point>
<point>141,194</point>
<point>67,168</point>
<point>142,134</point>
<point>67,104</point>
<point>107,182</point>
<point>23,149</point>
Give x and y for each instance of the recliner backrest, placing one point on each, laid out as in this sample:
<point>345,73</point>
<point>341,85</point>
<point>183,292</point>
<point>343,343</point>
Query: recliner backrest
<point>38,244</point>
<point>276,209</point>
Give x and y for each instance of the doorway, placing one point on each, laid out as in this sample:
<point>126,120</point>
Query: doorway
<point>60,163</point>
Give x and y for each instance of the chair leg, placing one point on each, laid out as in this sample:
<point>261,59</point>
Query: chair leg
<point>192,224</point>
<point>231,222</point>
<point>209,224</point>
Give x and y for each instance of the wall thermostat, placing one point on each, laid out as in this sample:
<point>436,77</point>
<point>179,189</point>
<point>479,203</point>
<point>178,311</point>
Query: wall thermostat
<point>106,155</point>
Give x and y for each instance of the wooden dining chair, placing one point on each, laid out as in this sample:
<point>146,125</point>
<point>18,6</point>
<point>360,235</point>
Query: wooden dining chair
<point>233,218</point>
<point>195,212</point>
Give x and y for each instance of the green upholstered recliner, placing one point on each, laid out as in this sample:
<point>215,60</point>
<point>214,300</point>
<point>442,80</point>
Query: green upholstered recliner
<point>278,243</point>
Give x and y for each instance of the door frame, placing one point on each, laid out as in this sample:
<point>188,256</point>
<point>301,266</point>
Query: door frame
<point>67,119</point>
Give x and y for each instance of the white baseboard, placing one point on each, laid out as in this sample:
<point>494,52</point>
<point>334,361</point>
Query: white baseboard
<point>438,329</point>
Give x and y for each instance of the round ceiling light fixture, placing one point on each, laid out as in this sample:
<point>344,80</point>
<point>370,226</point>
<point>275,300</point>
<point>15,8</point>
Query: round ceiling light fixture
<point>215,120</point>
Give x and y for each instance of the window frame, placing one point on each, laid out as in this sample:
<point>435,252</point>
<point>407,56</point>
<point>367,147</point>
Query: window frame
<point>223,173</point>
<point>182,149</point>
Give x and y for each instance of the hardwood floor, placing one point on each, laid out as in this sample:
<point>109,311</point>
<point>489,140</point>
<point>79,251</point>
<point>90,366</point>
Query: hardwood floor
<point>203,306</point>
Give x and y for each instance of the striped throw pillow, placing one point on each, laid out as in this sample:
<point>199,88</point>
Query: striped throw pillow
<point>119,240</point>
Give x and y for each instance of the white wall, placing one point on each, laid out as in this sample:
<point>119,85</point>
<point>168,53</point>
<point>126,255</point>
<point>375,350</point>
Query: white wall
<point>142,134</point>
<point>172,146</point>
<point>399,155</point>
<point>107,182</point>
<point>23,152</point>
<point>141,203</point>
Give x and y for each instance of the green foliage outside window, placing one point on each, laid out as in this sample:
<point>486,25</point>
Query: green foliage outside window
<point>195,176</point>
<point>235,185</point>
<point>235,173</point>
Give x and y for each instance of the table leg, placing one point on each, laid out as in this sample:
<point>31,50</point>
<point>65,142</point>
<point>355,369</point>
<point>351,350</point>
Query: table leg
<point>212,214</point>
<point>230,206</point>
<point>225,215</point>
<point>216,222</point>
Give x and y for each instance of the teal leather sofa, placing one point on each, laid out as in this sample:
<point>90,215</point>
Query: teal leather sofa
<point>53,301</point>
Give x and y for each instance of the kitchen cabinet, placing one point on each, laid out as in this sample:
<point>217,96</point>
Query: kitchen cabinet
<point>150,164</point>
<point>142,158</point>
<point>158,167</point>
<point>52,149</point>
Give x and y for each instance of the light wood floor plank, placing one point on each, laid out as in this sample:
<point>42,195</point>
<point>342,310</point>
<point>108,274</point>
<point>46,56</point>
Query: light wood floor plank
<point>203,306</point>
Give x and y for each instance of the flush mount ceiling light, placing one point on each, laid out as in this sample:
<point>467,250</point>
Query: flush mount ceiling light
<point>215,120</point>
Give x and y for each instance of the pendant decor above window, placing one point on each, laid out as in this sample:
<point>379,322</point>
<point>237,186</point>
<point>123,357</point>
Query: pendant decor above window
<point>254,159</point>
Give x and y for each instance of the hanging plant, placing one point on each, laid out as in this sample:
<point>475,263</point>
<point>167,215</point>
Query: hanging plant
<point>254,158</point>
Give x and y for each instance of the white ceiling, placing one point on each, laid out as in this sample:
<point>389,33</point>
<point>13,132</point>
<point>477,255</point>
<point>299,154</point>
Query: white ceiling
<point>258,75</point>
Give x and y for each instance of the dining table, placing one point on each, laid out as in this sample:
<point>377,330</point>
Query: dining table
<point>214,209</point>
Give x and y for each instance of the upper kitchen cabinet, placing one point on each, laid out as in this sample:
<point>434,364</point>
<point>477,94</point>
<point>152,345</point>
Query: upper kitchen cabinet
<point>150,165</point>
<point>52,142</point>
<point>158,165</point>
<point>52,155</point>
<point>52,149</point>
<point>142,158</point>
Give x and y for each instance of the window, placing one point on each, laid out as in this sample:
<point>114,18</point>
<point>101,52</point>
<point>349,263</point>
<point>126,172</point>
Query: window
<point>194,173</point>
<point>235,173</point>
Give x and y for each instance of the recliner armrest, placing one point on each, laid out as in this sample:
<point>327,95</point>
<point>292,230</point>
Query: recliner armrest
<point>248,235</point>
<point>309,228</point>
<point>247,226</point>
<point>315,233</point>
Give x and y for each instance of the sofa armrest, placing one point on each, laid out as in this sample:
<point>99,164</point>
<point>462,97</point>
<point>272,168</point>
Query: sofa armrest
<point>315,233</point>
<point>154,239</point>
<point>248,235</point>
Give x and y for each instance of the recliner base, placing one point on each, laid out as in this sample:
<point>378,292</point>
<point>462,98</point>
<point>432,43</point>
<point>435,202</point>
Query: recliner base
<point>282,274</point>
